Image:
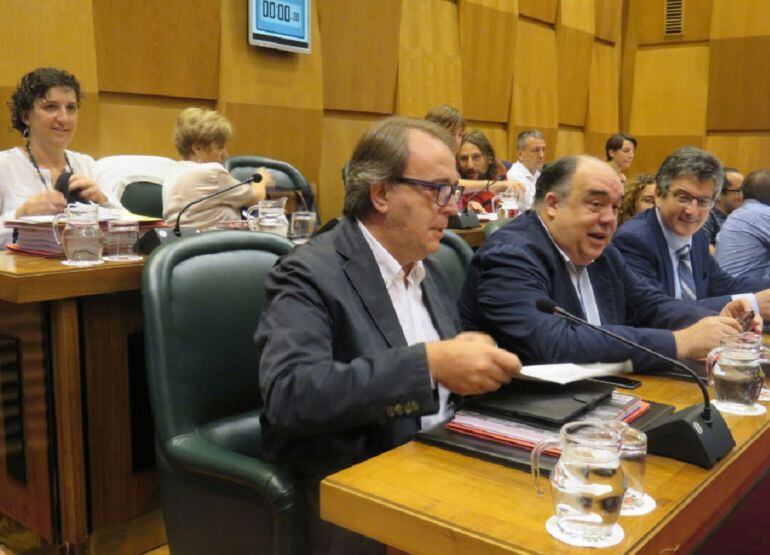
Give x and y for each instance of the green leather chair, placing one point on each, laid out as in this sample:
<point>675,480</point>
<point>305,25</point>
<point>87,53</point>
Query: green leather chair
<point>287,177</point>
<point>454,255</point>
<point>495,225</point>
<point>202,300</point>
<point>144,198</point>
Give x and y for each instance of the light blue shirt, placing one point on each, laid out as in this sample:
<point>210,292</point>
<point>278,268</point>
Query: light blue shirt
<point>676,242</point>
<point>743,244</point>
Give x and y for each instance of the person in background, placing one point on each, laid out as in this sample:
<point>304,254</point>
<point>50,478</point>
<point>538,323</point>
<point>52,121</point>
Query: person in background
<point>358,342</point>
<point>44,109</point>
<point>728,200</point>
<point>743,246</point>
<point>561,251</point>
<point>666,248</point>
<point>476,161</point>
<point>530,150</point>
<point>201,138</point>
<point>638,196</point>
<point>620,150</point>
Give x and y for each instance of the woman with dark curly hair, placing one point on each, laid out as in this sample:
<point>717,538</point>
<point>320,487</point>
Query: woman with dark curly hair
<point>639,195</point>
<point>44,109</point>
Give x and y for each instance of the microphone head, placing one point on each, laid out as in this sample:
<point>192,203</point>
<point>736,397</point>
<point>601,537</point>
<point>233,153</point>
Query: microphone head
<point>546,305</point>
<point>257,177</point>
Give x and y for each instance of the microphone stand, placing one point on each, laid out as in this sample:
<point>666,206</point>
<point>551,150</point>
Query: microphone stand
<point>697,434</point>
<point>467,219</point>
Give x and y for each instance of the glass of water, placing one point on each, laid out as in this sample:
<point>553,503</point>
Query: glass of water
<point>633,461</point>
<point>303,226</point>
<point>122,236</point>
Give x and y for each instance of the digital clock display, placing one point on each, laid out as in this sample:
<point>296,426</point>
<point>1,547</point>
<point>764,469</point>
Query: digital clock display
<point>282,24</point>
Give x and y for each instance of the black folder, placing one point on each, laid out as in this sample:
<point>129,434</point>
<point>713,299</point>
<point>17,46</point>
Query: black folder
<point>541,403</point>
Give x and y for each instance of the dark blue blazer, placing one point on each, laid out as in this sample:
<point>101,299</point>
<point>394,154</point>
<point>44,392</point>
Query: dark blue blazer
<point>519,264</point>
<point>644,247</point>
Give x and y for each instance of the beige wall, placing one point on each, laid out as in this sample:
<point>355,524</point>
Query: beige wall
<point>577,69</point>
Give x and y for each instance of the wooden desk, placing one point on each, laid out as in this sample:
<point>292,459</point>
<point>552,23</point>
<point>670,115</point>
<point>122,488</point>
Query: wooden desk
<point>423,499</point>
<point>474,236</point>
<point>70,338</point>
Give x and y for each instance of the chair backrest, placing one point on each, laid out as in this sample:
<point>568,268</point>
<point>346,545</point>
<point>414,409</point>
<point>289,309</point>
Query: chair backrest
<point>144,198</point>
<point>454,255</point>
<point>287,177</point>
<point>114,173</point>
<point>495,225</point>
<point>202,300</point>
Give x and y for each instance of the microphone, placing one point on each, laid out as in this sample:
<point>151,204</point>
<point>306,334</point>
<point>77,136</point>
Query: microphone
<point>696,434</point>
<point>256,178</point>
<point>467,219</point>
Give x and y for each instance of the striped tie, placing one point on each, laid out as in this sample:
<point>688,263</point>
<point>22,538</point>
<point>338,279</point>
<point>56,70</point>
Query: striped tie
<point>686,281</point>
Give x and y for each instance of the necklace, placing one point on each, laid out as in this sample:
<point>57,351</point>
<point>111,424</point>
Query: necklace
<point>37,168</point>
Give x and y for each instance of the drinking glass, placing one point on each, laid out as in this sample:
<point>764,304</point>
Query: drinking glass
<point>506,204</point>
<point>302,226</point>
<point>633,461</point>
<point>122,236</point>
<point>81,238</point>
<point>735,370</point>
<point>587,484</point>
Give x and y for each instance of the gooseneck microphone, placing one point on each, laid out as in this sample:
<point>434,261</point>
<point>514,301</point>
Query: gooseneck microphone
<point>696,434</point>
<point>467,219</point>
<point>256,178</point>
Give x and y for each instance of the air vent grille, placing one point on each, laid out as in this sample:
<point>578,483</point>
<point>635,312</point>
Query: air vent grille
<point>673,22</point>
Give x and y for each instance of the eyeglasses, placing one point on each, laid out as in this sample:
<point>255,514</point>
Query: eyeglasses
<point>685,199</point>
<point>739,191</point>
<point>444,191</point>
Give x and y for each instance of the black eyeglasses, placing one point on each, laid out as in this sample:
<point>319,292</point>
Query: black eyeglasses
<point>444,191</point>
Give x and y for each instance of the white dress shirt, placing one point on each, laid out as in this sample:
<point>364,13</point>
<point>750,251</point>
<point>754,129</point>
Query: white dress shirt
<point>520,173</point>
<point>406,295</point>
<point>676,242</point>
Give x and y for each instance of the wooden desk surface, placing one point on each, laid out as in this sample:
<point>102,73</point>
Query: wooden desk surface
<point>474,236</point>
<point>25,278</point>
<point>423,499</point>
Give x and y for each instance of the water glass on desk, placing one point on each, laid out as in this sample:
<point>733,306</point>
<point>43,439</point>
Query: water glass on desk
<point>122,236</point>
<point>633,461</point>
<point>303,224</point>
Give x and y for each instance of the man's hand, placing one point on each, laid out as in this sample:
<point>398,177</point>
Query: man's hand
<point>469,366</point>
<point>741,308</point>
<point>704,335</point>
<point>47,202</point>
<point>763,300</point>
<point>475,206</point>
<point>477,337</point>
<point>87,188</point>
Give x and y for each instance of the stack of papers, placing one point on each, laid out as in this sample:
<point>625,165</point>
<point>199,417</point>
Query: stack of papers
<point>568,372</point>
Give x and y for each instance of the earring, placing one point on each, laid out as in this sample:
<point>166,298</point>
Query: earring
<point>25,133</point>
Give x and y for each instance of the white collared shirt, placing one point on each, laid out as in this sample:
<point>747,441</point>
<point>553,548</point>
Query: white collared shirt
<point>406,296</point>
<point>580,281</point>
<point>521,174</point>
<point>676,242</point>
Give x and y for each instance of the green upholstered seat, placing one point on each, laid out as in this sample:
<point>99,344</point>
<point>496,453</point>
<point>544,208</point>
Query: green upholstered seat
<point>202,300</point>
<point>495,225</point>
<point>144,198</point>
<point>454,255</point>
<point>287,177</point>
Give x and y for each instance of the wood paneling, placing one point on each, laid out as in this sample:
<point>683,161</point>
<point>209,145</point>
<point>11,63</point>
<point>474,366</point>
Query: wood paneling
<point>132,124</point>
<point>608,16</point>
<point>168,48</point>
<point>341,133</point>
<point>576,14</point>
<point>544,10</point>
<point>647,15</point>
<point>603,108</point>
<point>740,18</point>
<point>497,135</point>
<point>428,57</point>
<point>575,53</point>
<point>28,503</point>
<point>487,48</point>
<point>739,84</point>
<point>360,54</point>
<point>32,37</point>
<point>670,90</point>
<point>747,152</point>
<point>569,142</point>
<point>653,149</point>
<point>534,101</point>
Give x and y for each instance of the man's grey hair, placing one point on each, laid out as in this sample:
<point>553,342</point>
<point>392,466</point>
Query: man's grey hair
<point>381,156</point>
<point>521,140</point>
<point>690,161</point>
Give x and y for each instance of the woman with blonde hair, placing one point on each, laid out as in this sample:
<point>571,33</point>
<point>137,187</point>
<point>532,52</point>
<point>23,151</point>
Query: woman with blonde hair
<point>201,137</point>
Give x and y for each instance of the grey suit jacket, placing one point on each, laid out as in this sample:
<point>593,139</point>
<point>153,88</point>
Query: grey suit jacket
<point>340,383</point>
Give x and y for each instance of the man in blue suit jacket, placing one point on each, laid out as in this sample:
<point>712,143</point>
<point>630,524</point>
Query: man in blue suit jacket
<point>560,251</point>
<point>666,245</point>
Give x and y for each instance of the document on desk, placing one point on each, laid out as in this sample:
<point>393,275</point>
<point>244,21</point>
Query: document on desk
<point>568,372</point>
